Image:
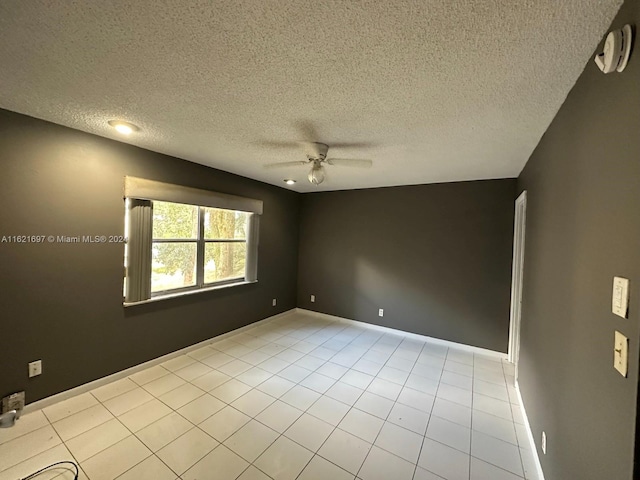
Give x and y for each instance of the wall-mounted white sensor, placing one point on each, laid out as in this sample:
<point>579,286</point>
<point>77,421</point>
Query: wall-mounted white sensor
<point>617,48</point>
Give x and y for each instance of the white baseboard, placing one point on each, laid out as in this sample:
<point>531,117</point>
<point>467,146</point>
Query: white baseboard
<point>45,402</point>
<point>417,336</point>
<point>532,443</point>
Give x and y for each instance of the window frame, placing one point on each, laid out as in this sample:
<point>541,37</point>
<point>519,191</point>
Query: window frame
<point>139,197</point>
<point>200,242</point>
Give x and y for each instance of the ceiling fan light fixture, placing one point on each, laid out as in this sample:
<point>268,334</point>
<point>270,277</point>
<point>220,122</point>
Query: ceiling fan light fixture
<point>316,175</point>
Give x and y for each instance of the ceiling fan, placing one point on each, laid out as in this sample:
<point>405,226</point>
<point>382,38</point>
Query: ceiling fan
<point>317,159</point>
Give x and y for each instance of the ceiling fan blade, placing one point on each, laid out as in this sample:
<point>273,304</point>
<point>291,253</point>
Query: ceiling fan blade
<point>277,144</point>
<point>352,145</point>
<point>286,164</point>
<point>350,162</point>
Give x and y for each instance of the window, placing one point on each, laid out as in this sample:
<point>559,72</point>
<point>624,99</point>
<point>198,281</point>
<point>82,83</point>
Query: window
<point>176,247</point>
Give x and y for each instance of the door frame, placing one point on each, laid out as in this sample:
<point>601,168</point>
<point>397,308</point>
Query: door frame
<point>517,270</point>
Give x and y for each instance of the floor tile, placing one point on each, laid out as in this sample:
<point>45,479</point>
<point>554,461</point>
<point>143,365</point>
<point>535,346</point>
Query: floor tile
<point>225,423</point>
<point>279,416</point>
<point>332,370</point>
<point>422,474</point>
<point>493,406</point>
<point>317,382</point>
<point>460,356</point>
<point>20,449</point>
<point>82,421</point>
<point>449,433</point>
<point>97,439</point>
<point>187,450</point>
<point>484,471</point>
<point>252,473</point>
<point>211,380</point>
<point>367,366</point>
<point>344,393</point>
<point>254,358</point>
<point>494,426</point>
<point>382,465</point>
<point>501,454</point>
<point>113,389</point>
<point>409,418</point>
<point>253,402</point>
<point>422,384</point>
<point>284,459</point>
<point>418,400</point>
<point>144,415</point>
<point>309,431</point>
<point>116,459</point>
<point>234,368</point>
<point>345,450</point>
<point>300,397</point>
<point>251,440</point>
<point>491,390</point>
<point>357,379</point>
<point>361,424</point>
<point>445,461</point>
<point>452,411</point>
<point>202,352</point>
<point>276,386</point>
<point>400,363</point>
<point>68,407</point>
<point>329,410</point>
<point>230,391</point>
<point>148,375</point>
<point>180,396</point>
<point>399,441</point>
<point>453,394</point>
<point>320,469</point>
<point>254,376</point>
<point>217,359</point>
<point>26,423</point>
<point>163,384</point>
<point>177,363</point>
<point>310,362</point>
<point>128,401</point>
<point>294,373</point>
<point>374,404</point>
<point>460,368</point>
<point>393,375</point>
<point>220,464</point>
<point>150,469</point>
<point>163,431</point>
<point>274,365</point>
<point>457,380</point>
<point>34,463</point>
<point>193,371</point>
<point>201,408</point>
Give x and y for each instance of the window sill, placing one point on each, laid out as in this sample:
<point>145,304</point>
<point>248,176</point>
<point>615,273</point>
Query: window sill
<point>188,292</point>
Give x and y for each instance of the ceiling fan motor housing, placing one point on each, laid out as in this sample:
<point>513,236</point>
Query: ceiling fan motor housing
<point>317,151</point>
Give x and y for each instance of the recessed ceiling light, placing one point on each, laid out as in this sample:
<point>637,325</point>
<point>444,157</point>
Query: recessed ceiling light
<point>289,181</point>
<point>124,128</point>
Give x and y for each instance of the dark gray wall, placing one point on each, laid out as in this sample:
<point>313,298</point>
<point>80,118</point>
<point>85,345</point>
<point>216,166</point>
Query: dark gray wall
<point>437,258</point>
<point>583,228</point>
<point>62,303</point>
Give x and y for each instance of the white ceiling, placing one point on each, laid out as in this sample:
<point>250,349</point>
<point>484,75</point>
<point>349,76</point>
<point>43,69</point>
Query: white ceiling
<point>438,90</point>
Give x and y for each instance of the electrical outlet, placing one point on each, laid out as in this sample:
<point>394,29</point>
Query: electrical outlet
<point>35,368</point>
<point>381,312</point>
<point>313,298</point>
<point>274,302</point>
<point>544,443</point>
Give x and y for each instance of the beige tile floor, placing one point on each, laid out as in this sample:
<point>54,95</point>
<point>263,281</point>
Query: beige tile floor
<point>297,397</point>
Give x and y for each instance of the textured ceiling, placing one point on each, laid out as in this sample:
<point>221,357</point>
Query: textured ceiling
<point>435,90</point>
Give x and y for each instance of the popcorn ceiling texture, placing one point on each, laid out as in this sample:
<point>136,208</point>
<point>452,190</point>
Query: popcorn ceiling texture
<point>439,90</point>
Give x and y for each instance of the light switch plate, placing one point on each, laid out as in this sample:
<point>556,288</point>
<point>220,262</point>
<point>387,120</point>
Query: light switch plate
<point>620,297</point>
<point>620,353</point>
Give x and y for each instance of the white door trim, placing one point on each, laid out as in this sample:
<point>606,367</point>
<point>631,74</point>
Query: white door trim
<point>516,278</point>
